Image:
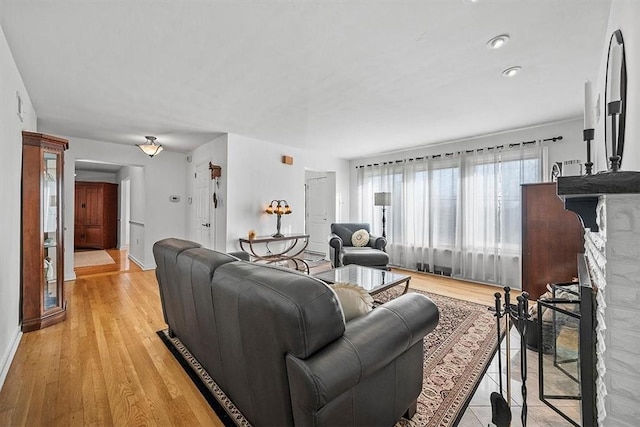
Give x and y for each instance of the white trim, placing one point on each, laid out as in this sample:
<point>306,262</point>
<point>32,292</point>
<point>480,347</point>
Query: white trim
<point>141,264</point>
<point>8,358</point>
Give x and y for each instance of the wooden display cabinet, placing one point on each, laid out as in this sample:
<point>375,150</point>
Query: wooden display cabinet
<point>96,215</point>
<point>43,301</point>
<point>552,237</point>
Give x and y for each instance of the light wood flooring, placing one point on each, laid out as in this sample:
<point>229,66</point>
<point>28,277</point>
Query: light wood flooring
<point>106,366</point>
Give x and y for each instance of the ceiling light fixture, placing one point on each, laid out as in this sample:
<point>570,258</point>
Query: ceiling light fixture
<point>151,147</point>
<point>511,71</point>
<point>498,41</point>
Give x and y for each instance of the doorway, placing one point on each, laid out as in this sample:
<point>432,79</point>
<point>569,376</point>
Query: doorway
<point>203,232</point>
<point>320,190</point>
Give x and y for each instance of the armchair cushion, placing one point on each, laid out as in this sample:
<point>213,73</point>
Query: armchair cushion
<point>363,256</point>
<point>360,238</point>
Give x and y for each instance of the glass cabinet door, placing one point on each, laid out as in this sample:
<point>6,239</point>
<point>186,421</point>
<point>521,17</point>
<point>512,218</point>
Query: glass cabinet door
<point>50,228</point>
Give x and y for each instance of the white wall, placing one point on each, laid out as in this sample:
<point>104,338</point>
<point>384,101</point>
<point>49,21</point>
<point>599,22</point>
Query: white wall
<point>153,215</point>
<point>624,16</point>
<point>215,152</point>
<point>95,176</point>
<point>571,147</point>
<point>256,175</point>
<point>10,194</point>
<point>137,210</point>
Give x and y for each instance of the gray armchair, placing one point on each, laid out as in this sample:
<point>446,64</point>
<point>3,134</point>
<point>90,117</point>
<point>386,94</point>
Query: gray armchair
<point>344,253</point>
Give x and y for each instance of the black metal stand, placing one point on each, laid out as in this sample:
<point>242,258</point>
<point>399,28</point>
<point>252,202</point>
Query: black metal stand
<point>518,314</point>
<point>614,109</point>
<point>588,135</point>
<point>384,221</point>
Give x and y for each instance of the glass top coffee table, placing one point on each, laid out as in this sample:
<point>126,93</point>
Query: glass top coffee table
<point>371,279</point>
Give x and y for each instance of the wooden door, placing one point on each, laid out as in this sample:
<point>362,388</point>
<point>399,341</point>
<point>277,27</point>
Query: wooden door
<point>79,210</point>
<point>93,237</point>
<point>94,205</point>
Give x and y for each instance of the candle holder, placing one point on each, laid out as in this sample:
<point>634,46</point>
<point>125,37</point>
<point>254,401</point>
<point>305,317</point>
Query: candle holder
<point>614,109</point>
<point>588,135</point>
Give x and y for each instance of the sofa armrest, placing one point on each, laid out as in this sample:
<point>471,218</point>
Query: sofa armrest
<point>335,246</point>
<point>377,242</point>
<point>369,343</point>
<point>335,241</point>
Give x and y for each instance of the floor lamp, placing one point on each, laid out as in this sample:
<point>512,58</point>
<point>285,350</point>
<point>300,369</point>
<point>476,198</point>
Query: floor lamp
<point>384,200</point>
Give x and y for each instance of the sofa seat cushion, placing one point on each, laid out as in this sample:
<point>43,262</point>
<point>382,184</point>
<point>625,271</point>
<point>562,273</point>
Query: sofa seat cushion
<point>365,256</point>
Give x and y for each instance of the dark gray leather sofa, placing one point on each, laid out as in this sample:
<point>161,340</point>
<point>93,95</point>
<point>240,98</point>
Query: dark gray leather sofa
<point>275,340</point>
<point>342,251</point>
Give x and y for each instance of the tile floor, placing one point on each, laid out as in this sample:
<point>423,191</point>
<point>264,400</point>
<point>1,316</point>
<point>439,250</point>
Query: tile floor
<point>539,414</point>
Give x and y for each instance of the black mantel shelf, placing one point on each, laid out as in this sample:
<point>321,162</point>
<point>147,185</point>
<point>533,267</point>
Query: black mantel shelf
<point>581,193</point>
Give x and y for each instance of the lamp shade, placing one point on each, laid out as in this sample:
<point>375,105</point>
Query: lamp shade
<point>382,199</point>
<point>151,147</point>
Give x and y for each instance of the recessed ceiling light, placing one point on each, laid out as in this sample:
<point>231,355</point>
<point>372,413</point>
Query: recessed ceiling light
<point>498,41</point>
<point>511,71</point>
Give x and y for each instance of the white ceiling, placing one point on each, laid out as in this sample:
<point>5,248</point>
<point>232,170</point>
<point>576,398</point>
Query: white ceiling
<point>351,77</point>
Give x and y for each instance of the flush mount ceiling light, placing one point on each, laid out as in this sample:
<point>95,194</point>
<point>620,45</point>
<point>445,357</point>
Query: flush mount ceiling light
<point>498,41</point>
<point>151,147</point>
<point>511,71</point>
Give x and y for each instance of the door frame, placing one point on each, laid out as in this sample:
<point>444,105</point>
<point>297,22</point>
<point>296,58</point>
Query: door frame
<point>330,201</point>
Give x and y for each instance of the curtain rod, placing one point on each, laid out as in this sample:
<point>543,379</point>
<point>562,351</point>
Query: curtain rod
<point>437,156</point>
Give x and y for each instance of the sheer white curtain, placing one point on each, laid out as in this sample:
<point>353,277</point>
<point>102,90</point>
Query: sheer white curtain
<point>458,214</point>
<point>490,241</point>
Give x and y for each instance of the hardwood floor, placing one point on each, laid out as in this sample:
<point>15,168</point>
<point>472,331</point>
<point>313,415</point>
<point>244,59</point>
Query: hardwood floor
<point>105,365</point>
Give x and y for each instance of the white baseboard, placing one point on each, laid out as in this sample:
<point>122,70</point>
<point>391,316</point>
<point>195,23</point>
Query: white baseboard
<point>10,354</point>
<point>141,264</point>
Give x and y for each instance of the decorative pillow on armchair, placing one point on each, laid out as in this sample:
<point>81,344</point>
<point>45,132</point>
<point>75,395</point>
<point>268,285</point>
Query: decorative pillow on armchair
<point>354,299</point>
<point>360,238</point>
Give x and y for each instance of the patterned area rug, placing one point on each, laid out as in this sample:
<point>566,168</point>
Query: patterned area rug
<point>457,354</point>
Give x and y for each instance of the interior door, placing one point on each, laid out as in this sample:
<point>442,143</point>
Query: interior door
<point>316,224</point>
<point>203,234</point>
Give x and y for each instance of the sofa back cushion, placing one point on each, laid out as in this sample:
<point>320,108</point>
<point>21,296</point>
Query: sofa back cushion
<point>199,332</point>
<point>263,313</point>
<point>166,254</point>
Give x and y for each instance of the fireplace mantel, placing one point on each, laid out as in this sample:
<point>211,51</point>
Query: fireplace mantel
<point>581,193</point>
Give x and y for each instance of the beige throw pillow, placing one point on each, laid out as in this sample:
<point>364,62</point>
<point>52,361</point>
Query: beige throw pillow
<point>354,300</point>
<point>360,238</point>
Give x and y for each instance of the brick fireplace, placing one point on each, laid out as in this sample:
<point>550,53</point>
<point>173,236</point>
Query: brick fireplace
<point>609,206</point>
<point>613,257</point>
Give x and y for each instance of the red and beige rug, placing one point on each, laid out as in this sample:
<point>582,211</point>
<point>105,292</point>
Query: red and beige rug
<point>457,354</point>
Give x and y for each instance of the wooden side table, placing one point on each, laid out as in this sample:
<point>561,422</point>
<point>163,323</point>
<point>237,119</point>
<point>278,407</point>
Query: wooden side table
<point>292,246</point>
